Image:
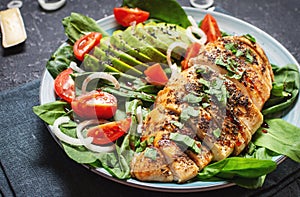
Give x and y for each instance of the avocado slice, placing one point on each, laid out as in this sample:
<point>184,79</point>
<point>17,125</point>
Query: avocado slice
<point>126,58</point>
<point>93,64</point>
<point>152,40</point>
<point>168,33</point>
<point>117,41</point>
<point>115,62</point>
<point>130,37</point>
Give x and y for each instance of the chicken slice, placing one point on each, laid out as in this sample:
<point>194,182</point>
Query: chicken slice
<point>147,169</point>
<point>182,167</point>
<point>256,73</point>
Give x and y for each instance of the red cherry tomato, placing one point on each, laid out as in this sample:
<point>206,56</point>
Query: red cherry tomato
<point>156,75</point>
<point>64,85</point>
<point>95,104</point>
<point>85,44</point>
<point>125,16</point>
<point>191,52</point>
<point>210,27</point>
<point>109,132</point>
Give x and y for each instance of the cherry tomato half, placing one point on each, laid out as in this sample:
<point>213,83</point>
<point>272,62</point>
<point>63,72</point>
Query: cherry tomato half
<point>109,132</point>
<point>95,104</point>
<point>156,75</point>
<point>210,27</point>
<point>85,44</point>
<point>64,85</point>
<point>192,51</point>
<point>125,16</point>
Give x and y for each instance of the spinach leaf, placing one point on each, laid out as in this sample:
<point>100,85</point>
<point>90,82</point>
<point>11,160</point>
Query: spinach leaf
<point>76,25</point>
<point>49,112</point>
<point>281,137</point>
<point>285,90</point>
<point>60,60</point>
<point>80,154</point>
<point>167,10</point>
<point>233,167</point>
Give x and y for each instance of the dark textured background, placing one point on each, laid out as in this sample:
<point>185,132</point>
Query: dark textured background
<point>26,62</point>
<point>32,164</point>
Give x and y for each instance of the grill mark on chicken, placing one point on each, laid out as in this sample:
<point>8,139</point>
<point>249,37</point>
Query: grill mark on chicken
<point>223,127</point>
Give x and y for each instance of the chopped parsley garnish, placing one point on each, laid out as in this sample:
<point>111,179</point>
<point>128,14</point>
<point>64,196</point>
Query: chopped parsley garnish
<point>249,57</point>
<point>239,53</point>
<point>217,132</point>
<point>142,145</point>
<point>250,37</point>
<point>187,112</point>
<point>192,98</point>
<point>151,153</point>
<point>232,47</point>
<point>218,89</point>
<point>231,66</point>
<point>177,124</point>
<point>204,82</point>
<point>185,140</point>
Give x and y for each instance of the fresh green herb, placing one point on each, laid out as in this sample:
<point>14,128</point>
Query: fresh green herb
<point>250,37</point>
<point>205,105</point>
<point>285,90</point>
<point>231,47</point>
<point>141,146</point>
<point>185,140</point>
<point>231,66</point>
<point>204,82</point>
<point>192,98</point>
<point>218,90</point>
<point>239,53</point>
<point>130,94</point>
<point>223,33</point>
<point>160,10</point>
<point>151,153</point>
<point>217,132</point>
<point>187,112</point>
<point>177,124</point>
<point>249,57</point>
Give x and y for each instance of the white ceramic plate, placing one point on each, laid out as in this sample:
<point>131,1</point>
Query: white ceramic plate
<point>276,53</point>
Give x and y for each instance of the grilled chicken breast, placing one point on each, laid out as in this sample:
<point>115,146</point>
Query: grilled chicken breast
<point>216,102</point>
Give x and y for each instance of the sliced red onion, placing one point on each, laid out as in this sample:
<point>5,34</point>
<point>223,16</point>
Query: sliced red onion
<point>99,75</point>
<point>192,21</point>
<point>171,48</point>
<point>74,67</point>
<point>61,136</point>
<point>51,6</point>
<point>207,4</point>
<point>15,4</point>
<point>87,142</point>
<point>196,30</point>
<point>139,115</point>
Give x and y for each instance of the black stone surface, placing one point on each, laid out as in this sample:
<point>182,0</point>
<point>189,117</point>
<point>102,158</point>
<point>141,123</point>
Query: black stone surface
<point>26,62</point>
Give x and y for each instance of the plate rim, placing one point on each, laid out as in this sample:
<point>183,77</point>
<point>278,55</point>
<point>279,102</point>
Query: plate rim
<point>156,186</point>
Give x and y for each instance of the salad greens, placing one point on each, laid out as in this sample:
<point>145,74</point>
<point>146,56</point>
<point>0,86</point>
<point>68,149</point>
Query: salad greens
<point>76,25</point>
<point>160,10</point>
<point>285,90</point>
<point>280,137</point>
<point>247,170</point>
<point>60,60</point>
